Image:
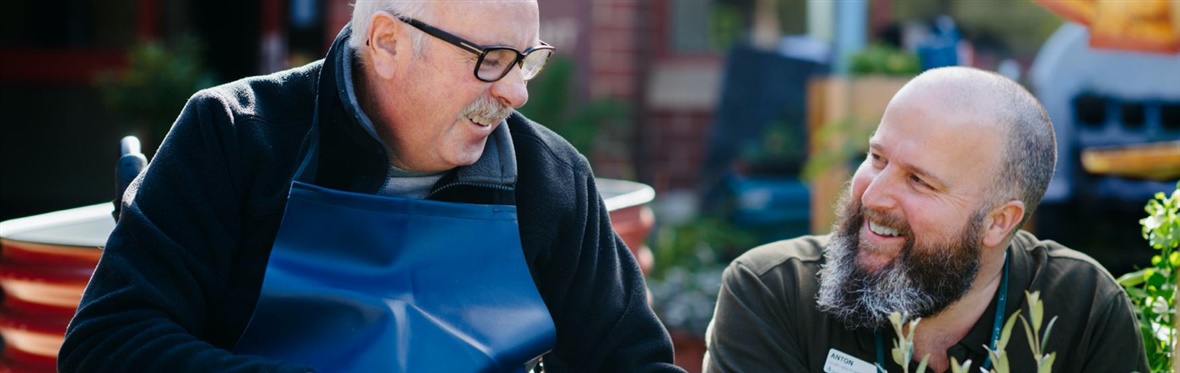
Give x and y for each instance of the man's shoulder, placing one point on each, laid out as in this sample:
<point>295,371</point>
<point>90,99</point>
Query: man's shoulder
<point>539,148</point>
<point>278,98</point>
<point>805,250</point>
<point>1056,264</point>
<point>1053,253</point>
<point>1089,304</point>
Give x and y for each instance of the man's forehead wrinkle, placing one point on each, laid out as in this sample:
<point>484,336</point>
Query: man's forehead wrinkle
<point>905,162</point>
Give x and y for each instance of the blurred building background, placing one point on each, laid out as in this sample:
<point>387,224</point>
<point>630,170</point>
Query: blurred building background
<point>744,115</point>
<point>652,71</point>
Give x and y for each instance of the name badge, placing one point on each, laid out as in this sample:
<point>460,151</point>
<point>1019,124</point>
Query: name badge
<point>840,362</point>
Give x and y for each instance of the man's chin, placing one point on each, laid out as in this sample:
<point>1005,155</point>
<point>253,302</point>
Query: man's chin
<point>872,264</point>
<point>854,318</point>
<point>469,153</point>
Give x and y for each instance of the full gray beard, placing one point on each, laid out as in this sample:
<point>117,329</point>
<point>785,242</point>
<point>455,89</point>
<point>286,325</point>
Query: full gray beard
<point>921,282</point>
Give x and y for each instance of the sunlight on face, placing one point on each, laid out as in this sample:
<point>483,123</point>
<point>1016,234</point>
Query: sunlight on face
<point>908,233</point>
<point>923,280</point>
<point>439,115</point>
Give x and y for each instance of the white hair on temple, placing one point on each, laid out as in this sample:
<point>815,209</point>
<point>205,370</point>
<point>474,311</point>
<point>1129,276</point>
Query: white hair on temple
<point>363,11</point>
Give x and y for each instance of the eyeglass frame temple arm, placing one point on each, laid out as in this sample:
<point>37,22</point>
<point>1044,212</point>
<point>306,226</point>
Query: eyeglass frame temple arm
<point>439,33</point>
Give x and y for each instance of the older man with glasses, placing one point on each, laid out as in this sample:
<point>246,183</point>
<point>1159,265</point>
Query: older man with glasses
<point>384,209</point>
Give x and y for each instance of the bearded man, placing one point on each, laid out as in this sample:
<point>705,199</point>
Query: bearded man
<point>929,227</point>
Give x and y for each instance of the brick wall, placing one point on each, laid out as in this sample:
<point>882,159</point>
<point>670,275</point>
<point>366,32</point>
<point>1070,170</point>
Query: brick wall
<point>674,125</point>
<point>612,75</point>
<point>612,49</point>
<point>677,146</point>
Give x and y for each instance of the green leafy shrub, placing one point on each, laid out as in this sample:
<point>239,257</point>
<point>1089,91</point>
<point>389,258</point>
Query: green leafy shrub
<point>551,104</point>
<point>1036,340</point>
<point>699,243</point>
<point>689,260</point>
<point>881,59</point>
<point>904,344</point>
<point>851,144</point>
<point>157,81</point>
<point>1153,289</point>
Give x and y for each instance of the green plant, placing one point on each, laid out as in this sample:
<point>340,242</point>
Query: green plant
<point>779,151</point>
<point>726,25</point>
<point>155,84</point>
<point>685,299</point>
<point>689,260</point>
<point>551,104</point>
<point>1153,290</point>
<point>843,141</point>
<point>999,356</point>
<point>904,344</point>
<point>881,59</point>
<point>960,368</point>
<point>1037,341</point>
<point>699,243</point>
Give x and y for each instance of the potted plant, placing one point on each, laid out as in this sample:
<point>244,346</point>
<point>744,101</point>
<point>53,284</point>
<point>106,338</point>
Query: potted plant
<point>150,91</point>
<point>690,257</point>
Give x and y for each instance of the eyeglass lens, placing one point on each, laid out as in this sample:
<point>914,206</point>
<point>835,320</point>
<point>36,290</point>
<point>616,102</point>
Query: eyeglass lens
<point>497,62</point>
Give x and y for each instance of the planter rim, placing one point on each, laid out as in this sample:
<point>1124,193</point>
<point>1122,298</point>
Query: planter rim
<point>85,227</point>
<point>89,226</point>
<point>620,194</point>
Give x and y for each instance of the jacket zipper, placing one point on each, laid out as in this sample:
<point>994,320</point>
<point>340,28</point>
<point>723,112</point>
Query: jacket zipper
<point>470,184</point>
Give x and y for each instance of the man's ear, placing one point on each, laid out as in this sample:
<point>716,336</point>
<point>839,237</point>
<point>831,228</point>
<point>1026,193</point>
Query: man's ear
<point>1001,221</point>
<point>382,43</point>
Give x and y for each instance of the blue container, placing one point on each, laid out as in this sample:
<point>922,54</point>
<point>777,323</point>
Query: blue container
<point>773,208</point>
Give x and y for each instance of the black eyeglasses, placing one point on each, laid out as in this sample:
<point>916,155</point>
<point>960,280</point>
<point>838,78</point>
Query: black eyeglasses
<point>494,62</point>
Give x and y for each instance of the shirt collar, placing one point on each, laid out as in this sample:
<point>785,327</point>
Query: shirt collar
<point>972,345</point>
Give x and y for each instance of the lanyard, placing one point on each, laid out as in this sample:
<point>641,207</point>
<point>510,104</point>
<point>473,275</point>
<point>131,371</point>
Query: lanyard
<point>997,327</point>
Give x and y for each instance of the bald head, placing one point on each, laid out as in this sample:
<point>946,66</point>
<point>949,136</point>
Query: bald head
<point>364,10</point>
<point>999,106</point>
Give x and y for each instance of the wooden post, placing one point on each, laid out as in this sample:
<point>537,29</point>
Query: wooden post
<point>831,101</point>
<point>765,34</point>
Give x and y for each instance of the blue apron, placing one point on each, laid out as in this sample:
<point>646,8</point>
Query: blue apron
<point>368,283</point>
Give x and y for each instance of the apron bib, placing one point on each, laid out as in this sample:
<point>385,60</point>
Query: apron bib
<point>368,283</point>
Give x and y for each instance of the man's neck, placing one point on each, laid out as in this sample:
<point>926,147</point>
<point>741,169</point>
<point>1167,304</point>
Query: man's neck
<point>937,333</point>
<point>367,88</point>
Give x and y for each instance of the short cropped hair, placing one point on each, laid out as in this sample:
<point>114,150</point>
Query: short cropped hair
<point>1030,148</point>
<point>363,11</point>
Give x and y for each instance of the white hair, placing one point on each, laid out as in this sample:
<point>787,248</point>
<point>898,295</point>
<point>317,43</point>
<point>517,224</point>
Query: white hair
<point>363,11</point>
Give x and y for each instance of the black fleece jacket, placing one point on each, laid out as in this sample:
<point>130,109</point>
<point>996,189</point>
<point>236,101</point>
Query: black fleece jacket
<point>181,273</point>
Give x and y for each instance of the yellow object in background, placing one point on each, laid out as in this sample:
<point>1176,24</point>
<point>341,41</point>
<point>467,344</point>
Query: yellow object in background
<point>1155,161</point>
<point>1077,11</point>
<point>1140,25</point>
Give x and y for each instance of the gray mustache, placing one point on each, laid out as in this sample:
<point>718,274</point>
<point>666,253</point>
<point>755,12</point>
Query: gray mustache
<point>487,107</point>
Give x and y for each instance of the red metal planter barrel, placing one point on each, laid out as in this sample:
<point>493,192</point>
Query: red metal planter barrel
<point>45,263</point>
<point>629,205</point>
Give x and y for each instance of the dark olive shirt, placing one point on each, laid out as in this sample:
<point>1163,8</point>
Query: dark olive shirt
<point>767,319</point>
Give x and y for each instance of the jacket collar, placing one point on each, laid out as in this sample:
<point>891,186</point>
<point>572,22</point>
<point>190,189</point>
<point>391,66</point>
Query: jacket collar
<point>348,136</point>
